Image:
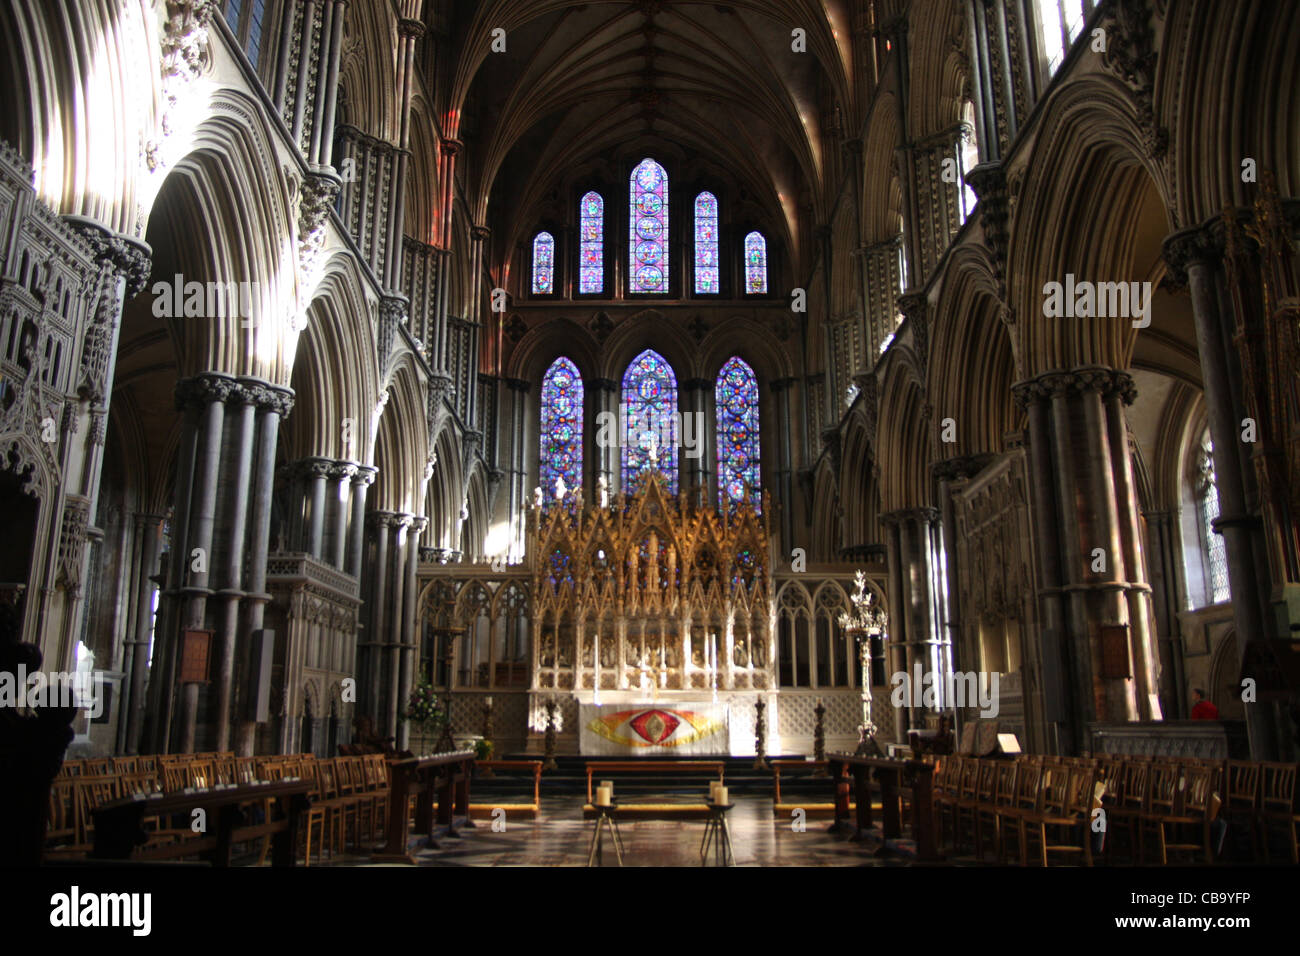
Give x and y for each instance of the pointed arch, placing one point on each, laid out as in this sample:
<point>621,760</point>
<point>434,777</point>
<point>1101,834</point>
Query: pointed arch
<point>543,264</point>
<point>736,399</point>
<point>648,229</point>
<point>591,244</point>
<point>707,276</point>
<point>560,434</point>
<point>755,264</point>
<point>650,416</point>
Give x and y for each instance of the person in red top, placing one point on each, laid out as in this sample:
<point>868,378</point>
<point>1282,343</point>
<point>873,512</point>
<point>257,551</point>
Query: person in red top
<point>1202,709</point>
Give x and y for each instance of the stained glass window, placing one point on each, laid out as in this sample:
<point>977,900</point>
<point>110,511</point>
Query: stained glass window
<point>706,244</point>
<point>648,226</point>
<point>1216,560</point>
<point>561,431</point>
<point>591,244</point>
<point>650,413</point>
<point>755,263</point>
<point>736,395</point>
<point>544,264</point>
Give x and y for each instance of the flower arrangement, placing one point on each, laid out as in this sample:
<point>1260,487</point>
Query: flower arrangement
<point>422,710</point>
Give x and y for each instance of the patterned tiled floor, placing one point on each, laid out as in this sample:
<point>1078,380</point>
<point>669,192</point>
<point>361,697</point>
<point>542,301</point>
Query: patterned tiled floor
<point>560,837</point>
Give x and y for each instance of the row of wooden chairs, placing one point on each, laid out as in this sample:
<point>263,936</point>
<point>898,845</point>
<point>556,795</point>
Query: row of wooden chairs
<point>349,795</point>
<point>1073,806</point>
<point>1020,806</point>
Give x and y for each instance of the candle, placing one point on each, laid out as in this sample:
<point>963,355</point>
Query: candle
<point>608,785</point>
<point>720,796</point>
<point>489,700</point>
<point>714,785</point>
<point>603,796</point>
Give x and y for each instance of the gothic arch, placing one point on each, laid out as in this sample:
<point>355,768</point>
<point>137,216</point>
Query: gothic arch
<point>1088,174</point>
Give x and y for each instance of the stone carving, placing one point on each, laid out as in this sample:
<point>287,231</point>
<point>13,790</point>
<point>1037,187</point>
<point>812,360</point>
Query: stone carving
<point>184,44</point>
<point>319,190</point>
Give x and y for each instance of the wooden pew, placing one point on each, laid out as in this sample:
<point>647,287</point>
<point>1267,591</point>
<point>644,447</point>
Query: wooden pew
<point>120,830</point>
<point>534,766</point>
<point>446,774</point>
<point>895,778</point>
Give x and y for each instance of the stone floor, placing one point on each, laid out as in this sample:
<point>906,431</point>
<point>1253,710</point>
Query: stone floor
<point>560,837</point>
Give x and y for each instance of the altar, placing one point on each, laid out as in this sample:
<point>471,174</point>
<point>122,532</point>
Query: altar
<point>654,729</point>
<point>652,622</point>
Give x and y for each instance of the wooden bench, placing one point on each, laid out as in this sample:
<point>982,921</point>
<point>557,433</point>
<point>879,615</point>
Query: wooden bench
<point>712,767</point>
<point>811,809</point>
<point>896,779</point>
<point>120,832</point>
<point>485,810</point>
<point>448,776</point>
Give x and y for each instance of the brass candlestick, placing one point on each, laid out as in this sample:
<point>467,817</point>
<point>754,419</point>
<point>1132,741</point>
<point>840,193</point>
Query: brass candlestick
<point>549,763</point>
<point>819,733</point>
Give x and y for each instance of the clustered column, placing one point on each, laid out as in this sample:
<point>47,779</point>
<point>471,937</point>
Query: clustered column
<point>224,478</point>
<point>387,664</point>
<point>1093,575</point>
<point>916,637</point>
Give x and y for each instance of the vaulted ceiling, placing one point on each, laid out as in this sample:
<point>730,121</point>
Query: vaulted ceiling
<point>716,83</point>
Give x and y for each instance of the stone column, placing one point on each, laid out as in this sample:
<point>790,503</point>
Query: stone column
<point>698,399</point>
<point>273,404</point>
<point>410,625</point>
<point>396,635</point>
<point>916,613</point>
<point>242,433</point>
<point>148,531</point>
<point>209,392</point>
<point>781,390</point>
<point>342,474</point>
<point>380,523</point>
<point>317,473</point>
<point>1197,255</point>
<point>364,477</point>
<point>1080,465</point>
<point>605,395</point>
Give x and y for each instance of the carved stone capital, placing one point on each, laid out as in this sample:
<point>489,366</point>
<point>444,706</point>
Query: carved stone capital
<point>365,475</point>
<point>1085,379</point>
<point>127,257</point>
<point>961,467</point>
<point>1191,247</point>
<point>204,389</point>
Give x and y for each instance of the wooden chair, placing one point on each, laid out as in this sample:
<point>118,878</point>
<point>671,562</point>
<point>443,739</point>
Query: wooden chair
<point>959,786</point>
<point>126,764</point>
<point>1241,807</point>
<point>72,768</point>
<point>175,776</point>
<point>986,814</point>
<point>966,810</point>
<point>1162,802</point>
<point>1063,824</point>
<point>1194,807</point>
<point>62,834</point>
<point>93,791</point>
<point>1124,806</point>
<point>99,766</point>
<point>1278,806</point>
<point>1028,794</point>
<point>377,777</point>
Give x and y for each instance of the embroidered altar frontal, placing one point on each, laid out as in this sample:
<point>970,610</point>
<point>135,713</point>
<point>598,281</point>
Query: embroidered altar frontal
<point>653,729</point>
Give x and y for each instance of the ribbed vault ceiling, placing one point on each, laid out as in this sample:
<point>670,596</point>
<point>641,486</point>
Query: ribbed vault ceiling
<point>716,82</point>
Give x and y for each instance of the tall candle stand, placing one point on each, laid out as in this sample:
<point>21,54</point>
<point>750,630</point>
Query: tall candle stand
<point>487,731</point>
<point>819,732</point>
<point>760,735</point>
<point>549,763</point>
